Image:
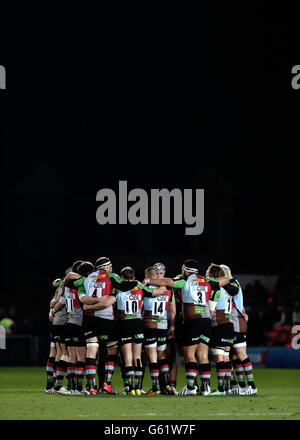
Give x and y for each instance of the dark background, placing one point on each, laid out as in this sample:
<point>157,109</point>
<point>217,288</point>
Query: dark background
<point>204,101</point>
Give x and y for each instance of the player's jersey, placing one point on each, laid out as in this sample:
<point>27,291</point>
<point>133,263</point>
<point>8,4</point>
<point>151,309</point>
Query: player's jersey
<point>223,307</point>
<point>129,303</point>
<point>73,306</point>
<point>237,300</point>
<point>60,316</point>
<point>156,310</point>
<point>98,284</point>
<point>195,291</point>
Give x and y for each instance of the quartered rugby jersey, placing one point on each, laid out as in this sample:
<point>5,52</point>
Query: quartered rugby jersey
<point>101,283</point>
<point>60,316</point>
<point>195,291</point>
<point>223,297</point>
<point>156,310</point>
<point>129,303</point>
<point>74,309</point>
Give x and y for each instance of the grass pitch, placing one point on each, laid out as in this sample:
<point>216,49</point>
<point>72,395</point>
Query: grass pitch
<point>22,398</point>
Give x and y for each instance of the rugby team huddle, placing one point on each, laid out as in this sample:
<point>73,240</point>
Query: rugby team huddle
<point>100,319</point>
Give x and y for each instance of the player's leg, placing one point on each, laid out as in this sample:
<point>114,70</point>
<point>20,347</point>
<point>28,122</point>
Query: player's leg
<point>171,356</point>
<point>127,354</point>
<point>71,357</point>
<point>241,353</point>
<point>204,368</point>
<point>138,340</point>
<point>91,331</point>
<point>151,352</point>
<point>50,362</point>
<point>61,359</point>
<point>92,346</point>
<point>80,349</point>
<point>112,348</point>
<point>163,362</point>
<point>190,365</point>
<point>102,356</point>
<point>191,339</point>
<point>49,368</point>
<point>228,369</point>
<point>137,362</point>
<point>110,365</point>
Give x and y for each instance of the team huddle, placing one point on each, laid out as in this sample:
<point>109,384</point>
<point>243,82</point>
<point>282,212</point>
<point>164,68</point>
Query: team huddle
<point>99,320</point>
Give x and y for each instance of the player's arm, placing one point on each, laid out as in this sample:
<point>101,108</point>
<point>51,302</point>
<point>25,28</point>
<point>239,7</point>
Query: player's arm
<point>151,292</point>
<point>86,299</point>
<point>213,300</point>
<point>172,308</point>
<point>160,282</point>
<point>101,304</point>
<point>232,288</point>
<point>175,283</point>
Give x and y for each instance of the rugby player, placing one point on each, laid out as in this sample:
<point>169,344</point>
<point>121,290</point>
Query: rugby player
<point>59,319</point>
<point>130,327</point>
<point>195,291</point>
<point>74,337</point>
<point>52,352</point>
<point>220,304</point>
<point>239,357</point>
<point>171,350</point>
<point>99,323</point>
<point>156,333</point>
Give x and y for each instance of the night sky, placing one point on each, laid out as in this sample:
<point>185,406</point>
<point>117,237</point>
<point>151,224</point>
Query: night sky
<point>211,107</point>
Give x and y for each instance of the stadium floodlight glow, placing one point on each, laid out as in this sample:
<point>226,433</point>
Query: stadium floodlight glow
<point>183,208</point>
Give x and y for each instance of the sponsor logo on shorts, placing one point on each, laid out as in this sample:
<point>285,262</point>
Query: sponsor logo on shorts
<point>139,336</point>
<point>162,339</point>
<point>103,337</point>
<point>204,338</point>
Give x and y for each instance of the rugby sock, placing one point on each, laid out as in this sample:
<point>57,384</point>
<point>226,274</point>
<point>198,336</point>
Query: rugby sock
<point>164,370</point>
<point>71,375</point>
<point>221,369</point>
<point>248,371</point>
<point>49,372</point>
<point>154,373</point>
<point>204,373</point>
<point>239,371</point>
<point>61,371</point>
<point>123,374</point>
<point>130,376</point>
<point>138,373</point>
<point>233,380</point>
<point>79,372</point>
<point>190,374</point>
<point>110,366</point>
<point>227,366</point>
<point>101,366</point>
<point>90,370</point>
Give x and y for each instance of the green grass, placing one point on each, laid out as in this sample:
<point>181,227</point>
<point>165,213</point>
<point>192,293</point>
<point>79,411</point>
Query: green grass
<point>22,397</point>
